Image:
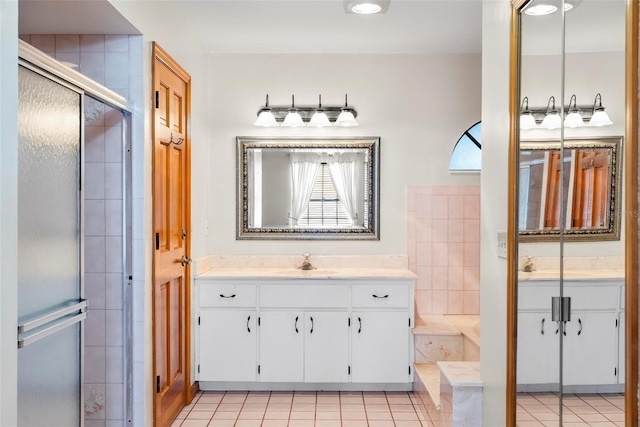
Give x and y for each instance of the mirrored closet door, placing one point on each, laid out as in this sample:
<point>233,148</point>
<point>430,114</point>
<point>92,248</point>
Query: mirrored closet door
<point>569,281</point>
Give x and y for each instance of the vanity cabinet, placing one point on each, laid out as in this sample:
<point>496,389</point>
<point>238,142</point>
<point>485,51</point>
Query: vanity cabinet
<point>591,340</point>
<point>264,333</point>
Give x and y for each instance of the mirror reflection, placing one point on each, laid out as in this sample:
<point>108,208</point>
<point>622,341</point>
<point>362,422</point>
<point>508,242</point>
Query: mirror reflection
<point>308,188</point>
<point>589,171</point>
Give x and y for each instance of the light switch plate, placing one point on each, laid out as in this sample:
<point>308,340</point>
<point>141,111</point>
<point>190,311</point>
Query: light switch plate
<point>502,244</point>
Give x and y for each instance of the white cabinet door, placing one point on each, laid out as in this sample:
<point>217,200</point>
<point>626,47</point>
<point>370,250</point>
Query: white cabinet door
<point>591,349</point>
<point>380,347</point>
<point>538,349</point>
<point>228,345</point>
<point>621,355</point>
<point>281,346</point>
<point>326,348</point>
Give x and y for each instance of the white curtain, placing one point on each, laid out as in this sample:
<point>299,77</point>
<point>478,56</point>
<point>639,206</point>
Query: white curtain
<point>343,175</point>
<point>304,169</point>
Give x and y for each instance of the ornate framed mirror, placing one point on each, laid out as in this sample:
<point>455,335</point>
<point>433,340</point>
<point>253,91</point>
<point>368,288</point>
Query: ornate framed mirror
<point>308,188</point>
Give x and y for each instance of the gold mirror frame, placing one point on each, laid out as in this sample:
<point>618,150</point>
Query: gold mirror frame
<point>630,180</point>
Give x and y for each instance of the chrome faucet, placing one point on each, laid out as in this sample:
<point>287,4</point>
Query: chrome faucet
<point>306,262</point>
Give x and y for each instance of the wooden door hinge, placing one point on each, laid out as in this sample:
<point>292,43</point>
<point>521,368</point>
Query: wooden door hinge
<point>158,384</point>
<point>157,99</point>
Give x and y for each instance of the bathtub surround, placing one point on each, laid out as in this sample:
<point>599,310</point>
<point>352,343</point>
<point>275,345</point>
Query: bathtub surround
<point>111,61</point>
<point>443,245</point>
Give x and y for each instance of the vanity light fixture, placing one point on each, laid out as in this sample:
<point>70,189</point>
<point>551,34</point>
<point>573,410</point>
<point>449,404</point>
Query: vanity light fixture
<point>576,116</point>
<point>346,117</point>
<point>319,118</point>
<point>293,118</point>
<point>265,116</point>
<point>573,119</point>
<point>552,117</point>
<point>316,115</point>
<point>365,7</point>
<point>527,121</point>
<point>599,117</point>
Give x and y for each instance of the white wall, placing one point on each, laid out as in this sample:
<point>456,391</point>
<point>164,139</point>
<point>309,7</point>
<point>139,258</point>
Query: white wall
<point>418,104</point>
<point>493,206</point>
<point>8,211</point>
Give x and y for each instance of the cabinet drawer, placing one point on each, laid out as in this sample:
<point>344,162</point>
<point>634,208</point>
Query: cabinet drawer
<point>304,295</point>
<point>380,295</point>
<point>593,297</point>
<point>227,295</point>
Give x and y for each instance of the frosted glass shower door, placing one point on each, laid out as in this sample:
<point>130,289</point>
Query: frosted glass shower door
<point>50,304</point>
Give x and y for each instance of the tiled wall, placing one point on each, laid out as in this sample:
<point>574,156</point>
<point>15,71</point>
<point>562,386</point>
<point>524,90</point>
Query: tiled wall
<point>110,60</point>
<point>443,245</point>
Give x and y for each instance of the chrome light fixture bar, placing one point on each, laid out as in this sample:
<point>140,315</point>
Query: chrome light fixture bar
<point>575,115</point>
<point>287,116</point>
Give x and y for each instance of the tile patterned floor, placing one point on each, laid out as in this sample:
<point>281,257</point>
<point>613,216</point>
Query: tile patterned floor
<point>302,409</point>
<point>584,410</point>
<point>379,409</point>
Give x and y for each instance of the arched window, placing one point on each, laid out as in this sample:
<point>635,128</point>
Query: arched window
<point>467,154</point>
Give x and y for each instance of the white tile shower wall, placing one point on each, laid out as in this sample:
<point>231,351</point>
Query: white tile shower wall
<point>116,62</point>
<point>443,245</point>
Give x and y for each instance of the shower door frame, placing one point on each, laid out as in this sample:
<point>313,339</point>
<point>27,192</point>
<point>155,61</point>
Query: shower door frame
<point>41,63</point>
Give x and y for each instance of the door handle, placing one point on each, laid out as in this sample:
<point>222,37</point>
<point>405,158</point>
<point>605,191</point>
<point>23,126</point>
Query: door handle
<point>185,260</point>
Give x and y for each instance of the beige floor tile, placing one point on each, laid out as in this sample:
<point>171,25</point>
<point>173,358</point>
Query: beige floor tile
<point>328,415</point>
<point>310,415</point>
<point>251,415</point>
<point>276,415</point>
<point>301,423</point>
<point>248,423</point>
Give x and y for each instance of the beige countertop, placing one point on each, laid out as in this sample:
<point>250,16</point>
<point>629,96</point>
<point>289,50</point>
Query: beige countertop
<point>318,273</point>
<point>571,274</point>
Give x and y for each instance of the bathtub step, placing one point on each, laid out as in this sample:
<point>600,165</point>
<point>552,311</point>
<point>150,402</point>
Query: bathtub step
<point>428,378</point>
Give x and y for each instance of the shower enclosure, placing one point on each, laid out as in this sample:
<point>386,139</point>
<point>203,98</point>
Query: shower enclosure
<point>56,108</point>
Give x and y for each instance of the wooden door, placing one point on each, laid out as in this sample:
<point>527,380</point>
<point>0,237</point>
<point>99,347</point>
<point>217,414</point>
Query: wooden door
<point>591,189</point>
<point>171,310</point>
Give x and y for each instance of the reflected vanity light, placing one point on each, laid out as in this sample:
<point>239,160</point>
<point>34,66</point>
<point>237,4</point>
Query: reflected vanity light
<point>527,121</point>
<point>314,116</point>
<point>552,117</point>
<point>573,119</point>
<point>599,117</point>
<point>576,116</point>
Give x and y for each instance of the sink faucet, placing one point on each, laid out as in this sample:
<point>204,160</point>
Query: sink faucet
<point>306,262</point>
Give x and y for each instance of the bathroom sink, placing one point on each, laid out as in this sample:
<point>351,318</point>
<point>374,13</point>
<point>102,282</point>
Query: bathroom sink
<point>298,272</point>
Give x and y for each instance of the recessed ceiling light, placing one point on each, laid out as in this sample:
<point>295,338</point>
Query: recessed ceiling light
<point>365,7</point>
<point>541,9</point>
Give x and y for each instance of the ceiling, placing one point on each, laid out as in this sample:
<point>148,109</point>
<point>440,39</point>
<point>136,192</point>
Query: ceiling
<point>322,26</point>
<point>283,26</point>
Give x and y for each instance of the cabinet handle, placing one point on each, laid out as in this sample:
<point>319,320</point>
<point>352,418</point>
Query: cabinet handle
<point>381,297</point>
<point>542,327</point>
<point>359,325</point>
<point>564,328</point>
<point>227,296</point>
<point>311,331</point>
<point>558,328</point>
<point>580,323</point>
<point>248,328</point>
<point>296,324</point>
